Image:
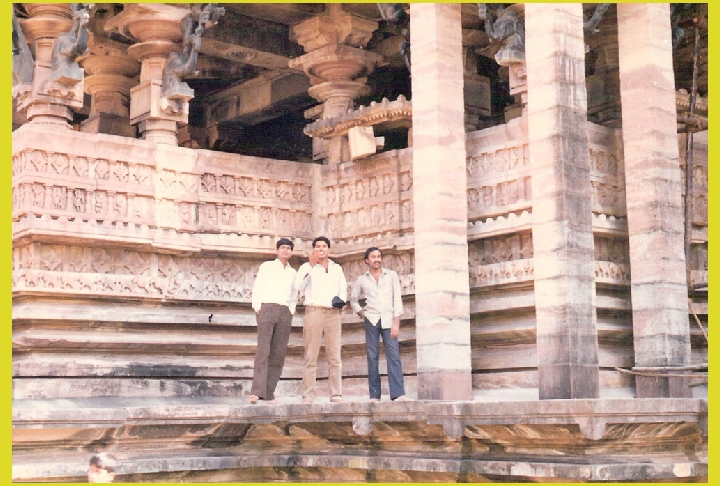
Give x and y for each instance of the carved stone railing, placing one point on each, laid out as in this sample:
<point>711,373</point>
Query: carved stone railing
<point>363,200</point>
<point>139,224</point>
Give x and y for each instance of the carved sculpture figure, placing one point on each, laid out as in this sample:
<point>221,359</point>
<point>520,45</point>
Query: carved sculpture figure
<point>394,13</point>
<point>69,45</point>
<point>181,64</point>
<point>590,25</point>
<point>505,29</point>
<point>23,62</point>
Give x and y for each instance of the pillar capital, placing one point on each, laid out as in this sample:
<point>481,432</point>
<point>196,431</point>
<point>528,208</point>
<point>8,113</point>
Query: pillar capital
<point>334,27</point>
<point>336,65</point>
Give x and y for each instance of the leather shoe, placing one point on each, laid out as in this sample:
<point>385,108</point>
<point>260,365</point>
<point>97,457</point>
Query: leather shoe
<point>403,398</point>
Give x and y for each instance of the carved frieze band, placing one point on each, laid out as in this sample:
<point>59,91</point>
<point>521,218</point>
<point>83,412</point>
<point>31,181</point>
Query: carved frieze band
<point>108,272</point>
<point>508,259</point>
<point>96,271</point>
<point>499,182</point>
<point>368,198</point>
<point>501,260</point>
<point>90,189</point>
<point>612,261</point>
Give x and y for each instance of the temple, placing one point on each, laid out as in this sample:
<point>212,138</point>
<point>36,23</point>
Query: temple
<point>537,174</point>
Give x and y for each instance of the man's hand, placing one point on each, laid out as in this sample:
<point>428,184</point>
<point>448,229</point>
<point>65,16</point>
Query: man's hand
<point>313,257</point>
<point>395,329</point>
<point>362,314</point>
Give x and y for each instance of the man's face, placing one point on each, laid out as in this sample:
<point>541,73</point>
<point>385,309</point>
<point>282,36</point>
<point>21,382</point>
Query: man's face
<point>374,259</point>
<point>321,249</point>
<point>97,475</point>
<point>284,253</point>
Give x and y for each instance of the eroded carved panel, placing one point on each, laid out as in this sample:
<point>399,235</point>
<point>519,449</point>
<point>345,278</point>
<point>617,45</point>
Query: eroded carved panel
<point>121,272</point>
<point>612,261</point>
<point>501,259</point>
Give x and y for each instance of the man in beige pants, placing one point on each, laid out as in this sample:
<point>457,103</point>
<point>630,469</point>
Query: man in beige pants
<point>322,279</point>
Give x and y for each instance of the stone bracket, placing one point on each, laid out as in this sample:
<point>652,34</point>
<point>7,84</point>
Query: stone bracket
<point>147,102</point>
<point>454,428</point>
<point>592,427</point>
<point>385,113</point>
<point>362,425</point>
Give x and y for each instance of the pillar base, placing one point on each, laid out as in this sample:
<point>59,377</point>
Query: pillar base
<point>445,385</point>
<point>663,387</point>
<point>109,123</point>
<point>48,113</point>
<point>159,131</point>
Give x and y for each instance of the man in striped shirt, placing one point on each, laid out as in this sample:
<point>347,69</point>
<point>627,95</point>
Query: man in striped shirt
<point>381,317</point>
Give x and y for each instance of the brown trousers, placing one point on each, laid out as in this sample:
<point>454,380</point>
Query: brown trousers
<point>273,323</point>
<point>319,321</point>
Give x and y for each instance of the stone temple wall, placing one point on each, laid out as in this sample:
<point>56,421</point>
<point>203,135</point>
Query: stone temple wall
<point>122,250</point>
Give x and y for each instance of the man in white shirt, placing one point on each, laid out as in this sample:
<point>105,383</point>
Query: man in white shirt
<point>322,279</point>
<point>273,300</point>
<point>381,316</point>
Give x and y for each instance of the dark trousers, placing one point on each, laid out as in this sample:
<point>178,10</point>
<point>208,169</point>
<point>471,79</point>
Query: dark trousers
<point>273,322</point>
<point>392,354</point>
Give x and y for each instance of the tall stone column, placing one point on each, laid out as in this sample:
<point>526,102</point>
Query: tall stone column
<point>654,203</point>
<point>337,65</point>
<point>156,27</point>
<point>442,294</point>
<point>567,345</point>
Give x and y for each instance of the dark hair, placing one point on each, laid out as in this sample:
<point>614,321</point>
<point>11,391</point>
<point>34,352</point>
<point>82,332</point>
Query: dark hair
<point>284,241</point>
<point>370,250</point>
<point>104,461</point>
<point>321,238</point>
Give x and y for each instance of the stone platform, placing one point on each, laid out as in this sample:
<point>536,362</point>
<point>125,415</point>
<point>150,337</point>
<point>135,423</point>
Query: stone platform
<point>228,439</point>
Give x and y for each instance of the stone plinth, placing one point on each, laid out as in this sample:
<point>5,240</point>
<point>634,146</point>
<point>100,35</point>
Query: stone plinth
<point>440,204</point>
<point>562,233</point>
<point>654,196</point>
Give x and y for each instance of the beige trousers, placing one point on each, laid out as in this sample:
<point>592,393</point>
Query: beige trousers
<point>319,321</point>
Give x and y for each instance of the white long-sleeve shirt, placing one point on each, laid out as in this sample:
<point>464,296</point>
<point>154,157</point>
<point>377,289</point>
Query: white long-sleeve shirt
<point>383,298</point>
<point>321,286</point>
<point>274,284</point>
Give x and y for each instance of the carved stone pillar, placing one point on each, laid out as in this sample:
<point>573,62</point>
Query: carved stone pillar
<point>563,247</point>
<point>603,85</point>
<point>476,88</point>
<point>510,57</point>
<point>111,76</point>
<point>337,65</point>
<point>653,189</point>
<point>47,100</point>
<point>157,28</point>
<point>442,292</point>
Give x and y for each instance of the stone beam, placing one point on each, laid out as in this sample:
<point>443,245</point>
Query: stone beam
<point>244,54</point>
<point>252,41</point>
<point>260,99</point>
